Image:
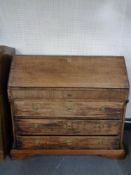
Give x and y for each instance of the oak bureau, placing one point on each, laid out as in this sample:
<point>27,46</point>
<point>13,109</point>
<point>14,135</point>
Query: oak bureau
<point>68,105</point>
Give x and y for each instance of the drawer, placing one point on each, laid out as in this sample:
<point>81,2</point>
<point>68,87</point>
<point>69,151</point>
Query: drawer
<point>68,142</point>
<point>67,127</point>
<point>69,93</point>
<point>68,108</point>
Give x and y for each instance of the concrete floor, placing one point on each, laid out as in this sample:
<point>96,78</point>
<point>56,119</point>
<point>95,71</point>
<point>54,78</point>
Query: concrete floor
<point>69,165</point>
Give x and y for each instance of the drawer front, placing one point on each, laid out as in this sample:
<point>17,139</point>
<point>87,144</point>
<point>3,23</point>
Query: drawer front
<point>65,108</point>
<point>67,127</point>
<point>69,93</point>
<point>68,142</point>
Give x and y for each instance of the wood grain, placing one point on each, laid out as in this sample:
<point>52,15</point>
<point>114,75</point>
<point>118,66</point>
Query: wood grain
<point>68,142</point>
<point>67,127</point>
<point>69,108</point>
<point>69,93</point>
<point>69,71</point>
<point>24,153</point>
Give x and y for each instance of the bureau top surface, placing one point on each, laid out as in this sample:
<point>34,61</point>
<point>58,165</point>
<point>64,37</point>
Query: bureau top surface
<point>68,71</point>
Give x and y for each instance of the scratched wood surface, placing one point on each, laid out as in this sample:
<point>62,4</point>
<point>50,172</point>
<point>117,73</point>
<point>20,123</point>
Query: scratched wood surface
<point>67,127</point>
<point>69,93</point>
<point>68,142</point>
<point>68,71</point>
<point>70,108</point>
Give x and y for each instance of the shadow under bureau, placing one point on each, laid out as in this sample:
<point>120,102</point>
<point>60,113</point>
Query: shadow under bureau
<point>68,105</point>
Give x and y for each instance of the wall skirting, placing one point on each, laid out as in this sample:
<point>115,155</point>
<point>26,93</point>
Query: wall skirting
<point>128,124</point>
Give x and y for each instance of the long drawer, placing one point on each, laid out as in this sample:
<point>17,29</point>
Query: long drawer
<point>68,108</point>
<point>69,93</point>
<point>67,127</point>
<point>68,142</point>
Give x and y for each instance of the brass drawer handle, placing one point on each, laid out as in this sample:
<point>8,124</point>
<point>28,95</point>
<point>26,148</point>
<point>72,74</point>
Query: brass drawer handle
<point>69,107</point>
<point>35,107</point>
<point>69,141</point>
<point>103,109</point>
<point>35,126</point>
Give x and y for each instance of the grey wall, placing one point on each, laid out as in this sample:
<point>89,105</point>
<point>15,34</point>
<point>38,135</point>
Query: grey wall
<point>83,27</point>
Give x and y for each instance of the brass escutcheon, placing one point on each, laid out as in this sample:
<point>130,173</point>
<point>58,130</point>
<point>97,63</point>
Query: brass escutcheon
<point>68,125</point>
<point>37,142</point>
